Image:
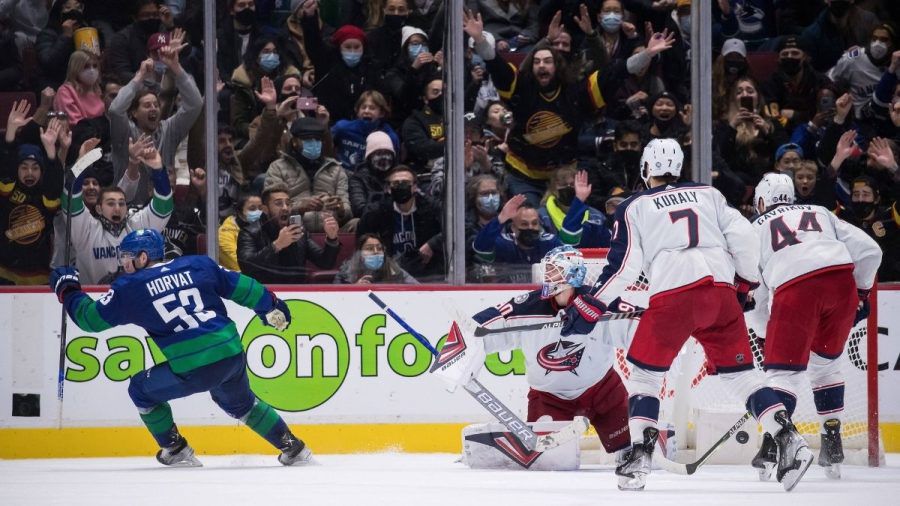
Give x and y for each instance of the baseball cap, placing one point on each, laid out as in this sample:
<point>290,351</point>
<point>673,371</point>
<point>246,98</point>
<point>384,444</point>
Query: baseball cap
<point>734,46</point>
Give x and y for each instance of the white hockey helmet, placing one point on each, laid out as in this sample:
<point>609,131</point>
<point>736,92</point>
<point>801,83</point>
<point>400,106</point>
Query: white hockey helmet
<point>661,157</point>
<point>774,188</point>
<point>561,268</point>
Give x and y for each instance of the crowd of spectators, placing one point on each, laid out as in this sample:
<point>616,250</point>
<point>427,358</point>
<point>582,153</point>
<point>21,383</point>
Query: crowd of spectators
<point>331,129</point>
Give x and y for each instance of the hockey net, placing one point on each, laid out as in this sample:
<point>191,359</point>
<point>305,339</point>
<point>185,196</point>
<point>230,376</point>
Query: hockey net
<point>689,394</point>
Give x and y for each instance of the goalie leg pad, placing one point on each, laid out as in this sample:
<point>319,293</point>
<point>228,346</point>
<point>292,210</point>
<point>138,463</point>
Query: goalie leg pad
<point>491,446</point>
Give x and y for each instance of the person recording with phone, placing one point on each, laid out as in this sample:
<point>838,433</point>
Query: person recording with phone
<point>276,247</point>
<point>317,184</point>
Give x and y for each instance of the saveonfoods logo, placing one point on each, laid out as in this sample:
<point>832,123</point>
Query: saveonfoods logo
<point>298,369</point>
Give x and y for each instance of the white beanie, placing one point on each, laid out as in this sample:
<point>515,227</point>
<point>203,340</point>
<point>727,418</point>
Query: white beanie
<point>408,31</point>
<point>378,140</point>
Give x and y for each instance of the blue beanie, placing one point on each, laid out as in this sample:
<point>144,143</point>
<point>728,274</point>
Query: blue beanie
<point>784,148</point>
<point>30,152</point>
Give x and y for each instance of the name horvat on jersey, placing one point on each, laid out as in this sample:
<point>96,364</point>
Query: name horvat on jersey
<point>672,199</point>
<point>169,282</point>
<point>780,210</point>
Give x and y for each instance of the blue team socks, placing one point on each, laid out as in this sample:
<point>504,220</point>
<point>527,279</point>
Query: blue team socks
<point>829,400</point>
<point>643,411</point>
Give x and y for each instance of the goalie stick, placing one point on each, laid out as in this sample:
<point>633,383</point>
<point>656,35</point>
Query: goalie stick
<point>483,331</point>
<point>490,402</point>
<point>77,168</point>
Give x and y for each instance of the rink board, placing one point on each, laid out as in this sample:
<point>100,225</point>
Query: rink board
<point>348,378</point>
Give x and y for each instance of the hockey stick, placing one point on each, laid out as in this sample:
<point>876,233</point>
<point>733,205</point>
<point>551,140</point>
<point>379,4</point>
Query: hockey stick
<point>490,402</point>
<point>77,168</point>
<point>483,331</point>
<point>691,468</point>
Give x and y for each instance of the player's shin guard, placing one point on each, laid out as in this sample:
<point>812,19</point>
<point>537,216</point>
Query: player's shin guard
<point>266,422</point>
<point>159,422</point>
<point>643,404</point>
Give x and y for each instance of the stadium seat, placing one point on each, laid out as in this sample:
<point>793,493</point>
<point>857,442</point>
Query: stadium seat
<point>762,65</point>
<point>348,247</point>
<point>7,98</point>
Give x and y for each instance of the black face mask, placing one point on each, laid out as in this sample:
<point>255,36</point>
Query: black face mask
<point>665,124</point>
<point>437,105</point>
<point>149,26</point>
<point>565,196</point>
<point>627,159</point>
<point>862,210</point>
<point>839,8</point>
<point>401,193</point>
<point>736,68</point>
<point>528,237</point>
<point>74,14</point>
<point>394,22</point>
<point>245,17</point>
<point>790,66</point>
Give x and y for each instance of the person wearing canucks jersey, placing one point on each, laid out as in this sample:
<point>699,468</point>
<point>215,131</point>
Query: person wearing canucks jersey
<point>179,303</point>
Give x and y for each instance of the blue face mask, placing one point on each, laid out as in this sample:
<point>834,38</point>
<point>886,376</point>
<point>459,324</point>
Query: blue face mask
<point>477,61</point>
<point>489,203</point>
<point>254,216</point>
<point>611,22</point>
<point>373,262</point>
<point>351,58</point>
<point>269,61</point>
<point>312,149</point>
<point>160,67</point>
<point>416,49</point>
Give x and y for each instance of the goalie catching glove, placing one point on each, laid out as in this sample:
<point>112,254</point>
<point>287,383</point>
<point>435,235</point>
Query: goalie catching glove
<point>279,316</point>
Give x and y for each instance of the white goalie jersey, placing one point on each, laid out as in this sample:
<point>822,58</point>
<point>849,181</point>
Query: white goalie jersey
<point>562,366</point>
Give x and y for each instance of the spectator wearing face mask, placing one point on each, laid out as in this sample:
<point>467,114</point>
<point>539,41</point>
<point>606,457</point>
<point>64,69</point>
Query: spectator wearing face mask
<point>482,205</point>
<point>366,185</point>
<point>128,47</point>
<point>728,67</point>
<point>883,109</point>
<point>349,136</point>
<point>565,211</point>
<point>56,42</point>
<point>839,26</point>
<point>860,69</point>
<point>369,265</point>
<point>79,96</point>
<point>317,184</point>
<point>878,218</point>
<point>342,68</point>
<point>264,59</point>
<point>413,66</point>
<point>248,209</point>
<point>667,118</point>
<point>621,168</point>
<point>791,90</point>
<point>409,225</point>
<point>238,31</point>
<point>514,240</point>
<point>423,130</point>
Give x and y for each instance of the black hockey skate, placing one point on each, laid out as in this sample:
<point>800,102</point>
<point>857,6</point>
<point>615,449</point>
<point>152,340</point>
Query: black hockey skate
<point>832,453</point>
<point>794,457</point>
<point>179,454</point>
<point>766,459</point>
<point>633,471</point>
<point>294,451</point>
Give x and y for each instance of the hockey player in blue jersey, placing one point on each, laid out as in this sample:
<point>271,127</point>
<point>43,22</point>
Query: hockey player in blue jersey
<point>179,303</point>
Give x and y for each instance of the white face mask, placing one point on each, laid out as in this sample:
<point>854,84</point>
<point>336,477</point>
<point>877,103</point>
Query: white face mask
<point>878,49</point>
<point>88,76</point>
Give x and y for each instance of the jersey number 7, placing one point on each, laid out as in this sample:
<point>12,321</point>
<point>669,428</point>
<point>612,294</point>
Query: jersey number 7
<point>692,224</point>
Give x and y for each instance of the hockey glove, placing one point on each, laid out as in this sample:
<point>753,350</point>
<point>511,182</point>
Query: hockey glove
<point>279,316</point>
<point>862,307</point>
<point>581,315</point>
<point>744,287</point>
<point>64,280</point>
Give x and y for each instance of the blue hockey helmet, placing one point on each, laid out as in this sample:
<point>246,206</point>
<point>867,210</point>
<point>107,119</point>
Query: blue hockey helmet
<point>145,239</point>
<point>561,268</point>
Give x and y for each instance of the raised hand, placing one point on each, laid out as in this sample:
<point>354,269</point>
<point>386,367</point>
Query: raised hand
<point>629,30</point>
<point>582,186</point>
<point>151,158</point>
<point>50,135</point>
<point>845,146</point>
<point>555,27</point>
<point>268,96</point>
<point>166,17</point>
<point>65,138</point>
<point>137,147</point>
<point>510,208</point>
<point>687,114</point>
<point>842,105</point>
<point>168,54</point>
<point>584,20</point>
<point>660,41</point>
<point>88,145</point>
<point>145,69</point>
<point>473,25</point>
<point>424,58</point>
<point>880,151</point>
<point>309,8</point>
<point>18,117</point>
<point>198,180</point>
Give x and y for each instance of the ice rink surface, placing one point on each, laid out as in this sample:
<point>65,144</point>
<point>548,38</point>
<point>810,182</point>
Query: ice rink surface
<point>412,479</point>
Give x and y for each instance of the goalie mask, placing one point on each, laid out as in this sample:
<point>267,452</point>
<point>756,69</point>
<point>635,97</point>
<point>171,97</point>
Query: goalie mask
<point>561,268</point>
<point>774,188</point>
<point>661,157</point>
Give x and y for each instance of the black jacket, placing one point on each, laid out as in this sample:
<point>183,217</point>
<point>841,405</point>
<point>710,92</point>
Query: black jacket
<point>426,225</point>
<point>423,138</point>
<point>126,51</point>
<point>366,190</point>
<point>258,259</point>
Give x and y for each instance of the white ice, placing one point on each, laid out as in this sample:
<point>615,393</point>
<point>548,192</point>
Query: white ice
<point>412,479</point>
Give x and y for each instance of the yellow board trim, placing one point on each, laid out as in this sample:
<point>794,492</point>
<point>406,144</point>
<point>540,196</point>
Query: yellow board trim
<point>229,439</point>
<point>238,439</point>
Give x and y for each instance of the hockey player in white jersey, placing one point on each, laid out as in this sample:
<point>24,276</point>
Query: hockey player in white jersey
<point>697,252</point>
<point>568,377</point>
<point>96,241</point>
<point>817,271</point>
